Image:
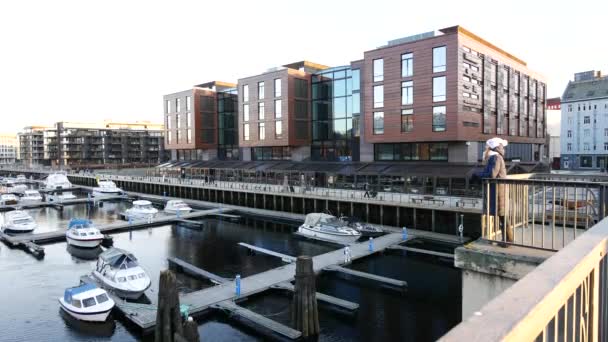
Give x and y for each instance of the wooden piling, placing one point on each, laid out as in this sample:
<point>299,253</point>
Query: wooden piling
<point>304,313</point>
<point>169,324</point>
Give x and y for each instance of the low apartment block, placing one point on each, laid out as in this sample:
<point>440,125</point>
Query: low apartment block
<point>8,149</point>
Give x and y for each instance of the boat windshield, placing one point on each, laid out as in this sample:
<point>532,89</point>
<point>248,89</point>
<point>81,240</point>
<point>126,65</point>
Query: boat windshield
<point>22,221</point>
<point>128,263</point>
<point>335,222</point>
<point>145,206</point>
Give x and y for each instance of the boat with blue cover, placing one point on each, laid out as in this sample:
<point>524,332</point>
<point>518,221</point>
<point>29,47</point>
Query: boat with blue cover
<point>87,302</point>
<point>82,233</point>
<point>119,271</point>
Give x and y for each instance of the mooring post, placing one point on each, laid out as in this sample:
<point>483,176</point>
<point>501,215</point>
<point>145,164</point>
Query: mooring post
<point>238,285</point>
<point>170,326</point>
<point>304,311</point>
<point>404,233</point>
<point>461,227</point>
<point>370,245</point>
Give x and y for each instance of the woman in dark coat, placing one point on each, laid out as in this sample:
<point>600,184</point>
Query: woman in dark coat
<point>495,169</point>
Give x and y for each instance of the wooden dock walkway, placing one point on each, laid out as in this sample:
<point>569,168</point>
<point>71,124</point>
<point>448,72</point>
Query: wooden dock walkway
<point>422,251</point>
<point>368,276</point>
<point>196,271</point>
<point>58,204</point>
<point>337,302</point>
<point>283,257</point>
<point>203,300</point>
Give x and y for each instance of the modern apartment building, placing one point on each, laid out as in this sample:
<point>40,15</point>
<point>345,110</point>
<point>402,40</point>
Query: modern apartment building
<point>274,113</point>
<point>439,96</point>
<point>93,144</point>
<point>584,122</point>
<point>201,123</point>
<point>31,146</point>
<point>8,148</point>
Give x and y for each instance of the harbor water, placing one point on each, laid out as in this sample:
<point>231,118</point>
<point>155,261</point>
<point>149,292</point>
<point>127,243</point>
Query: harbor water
<point>30,287</point>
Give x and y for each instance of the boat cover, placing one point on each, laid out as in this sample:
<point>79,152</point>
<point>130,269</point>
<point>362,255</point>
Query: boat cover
<point>315,218</point>
<point>67,296</point>
<point>116,256</point>
<point>80,223</point>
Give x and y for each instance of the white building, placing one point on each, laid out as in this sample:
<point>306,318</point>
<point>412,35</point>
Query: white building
<point>8,148</point>
<point>584,122</point>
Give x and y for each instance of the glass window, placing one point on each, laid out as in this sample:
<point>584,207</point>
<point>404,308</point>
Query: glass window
<point>407,93</point>
<point>438,89</point>
<point>301,88</point>
<point>356,79</point>
<point>262,130</point>
<point>76,303</point>
<point>245,93</point>
<point>102,298</point>
<point>339,107</point>
<point>407,120</point>
<point>356,103</point>
<point>169,138</point>
<point>378,72</point>
<point>178,120</point>
<point>169,121</point>
<point>439,60</point>
<point>438,151</point>
<point>246,132</point>
<point>278,129</point>
<point>261,90</point>
<point>278,109</point>
<point>340,87</point>
<point>587,119</point>
<point>407,65</point>
<point>178,105</point>
<point>378,122</point>
<point>168,107</point>
<point>189,136</point>
<point>189,120</point>
<point>439,119</point>
<point>340,129</point>
<point>89,302</point>
<point>378,96</point>
<point>188,103</point>
<point>246,112</point>
<point>261,110</point>
<point>277,87</point>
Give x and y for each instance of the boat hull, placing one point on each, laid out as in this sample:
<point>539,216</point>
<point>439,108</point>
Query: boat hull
<point>100,193</point>
<point>122,293</point>
<point>174,211</point>
<point>89,243</point>
<point>17,230</point>
<point>339,238</point>
<point>99,316</point>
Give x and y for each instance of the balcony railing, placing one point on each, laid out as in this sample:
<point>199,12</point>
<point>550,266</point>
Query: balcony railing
<point>563,299</point>
<point>540,211</point>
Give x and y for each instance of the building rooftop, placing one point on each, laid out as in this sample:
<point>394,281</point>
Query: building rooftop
<point>589,85</point>
<point>216,85</point>
<point>306,66</point>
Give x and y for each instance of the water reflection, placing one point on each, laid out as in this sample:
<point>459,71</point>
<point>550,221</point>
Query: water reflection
<point>89,329</point>
<point>81,254</point>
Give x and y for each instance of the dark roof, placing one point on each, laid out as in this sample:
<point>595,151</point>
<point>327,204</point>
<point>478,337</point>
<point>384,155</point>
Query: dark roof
<point>595,88</point>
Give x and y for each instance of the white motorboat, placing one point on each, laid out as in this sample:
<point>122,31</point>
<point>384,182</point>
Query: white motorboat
<point>58,181</point>
<point>31,196</point>
<point>87,302</point>
<point>15,188</point>
<point>175,206</point>
<point>21,179</point>
<point>119,271</point>
<point>8,199</point>
<point>141,209</point>
<point>82,233</point>
<point>106,188</point>
<point>366,230</point>
<point>18,221</point>
<point>328,227</point>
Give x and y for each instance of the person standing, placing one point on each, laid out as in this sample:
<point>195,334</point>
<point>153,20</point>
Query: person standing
<point>495,169</point>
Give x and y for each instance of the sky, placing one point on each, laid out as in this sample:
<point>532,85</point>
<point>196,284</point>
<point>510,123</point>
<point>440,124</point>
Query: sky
<point>95,60</point>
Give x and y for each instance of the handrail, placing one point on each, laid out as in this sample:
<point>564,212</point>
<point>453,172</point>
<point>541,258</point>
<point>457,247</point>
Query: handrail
<point>565,296</point>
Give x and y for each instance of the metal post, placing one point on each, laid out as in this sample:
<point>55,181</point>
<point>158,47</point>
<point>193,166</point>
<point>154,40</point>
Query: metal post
<point>461,227</point>
<point>404,233</point>
<point>371,244</point>
<point>238,285</point>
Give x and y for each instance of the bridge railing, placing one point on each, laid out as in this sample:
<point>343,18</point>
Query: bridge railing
<point>563,299</point>
<point>541,213</point>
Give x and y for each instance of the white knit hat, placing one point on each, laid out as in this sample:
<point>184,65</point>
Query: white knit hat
<point>494,142</point>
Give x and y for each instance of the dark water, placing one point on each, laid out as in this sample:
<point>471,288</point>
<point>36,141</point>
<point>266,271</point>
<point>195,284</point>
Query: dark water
<point>29,288</point>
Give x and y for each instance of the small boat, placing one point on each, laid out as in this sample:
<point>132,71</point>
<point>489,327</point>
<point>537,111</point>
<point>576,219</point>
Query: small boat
<point>31,196</point>
<point>58,182</point>
<point>141,209</point>
<point>18,221</point>
<point>365,229</point>
<point>119,271</point>
<point>87,302</point>
<point>20,179</point>
<point>81,233</point>
<point>328,227</point>
<point>175,206</point>
<point>106,188</point>
<point>15,188</point>
<point>8,199</point>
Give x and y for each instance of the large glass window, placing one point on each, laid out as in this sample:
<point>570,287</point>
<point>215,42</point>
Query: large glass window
<point>439,119</point>
<point>261,110</point>
<point>407,120</point>
<point>278,109</point>
<point>378,96</point>
<point>301,88</point>
<point>356,99</point>
<point>246,132</point>
<point>378,72</point>
<point>339,87</point>
<point>378,122</point>
<point>407,65</point>
<point>438,89</point>
<point>178,105</point>
<point>245,93</point>
<point>168,107</point>
<point>277,87</point>
<point>246,112</point>
<point>168,121</point>
<point>262,130</point>
<point>260,90</point>
<point>407,93</point>
<point>188,103</point>
<point>439,59</point>
<point>411,151</point>
<point>278,129</point>
<point>356,79</point>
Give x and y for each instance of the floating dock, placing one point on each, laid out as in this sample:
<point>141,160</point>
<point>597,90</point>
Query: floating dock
<point>196,271</point>
<point>283,257</point>
<point>58,204</point>
<point>422,251</point>
<point>327,299</point>
<point>367,276</point>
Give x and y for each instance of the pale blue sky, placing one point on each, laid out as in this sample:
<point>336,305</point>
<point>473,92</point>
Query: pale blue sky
<point>95,60</point>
